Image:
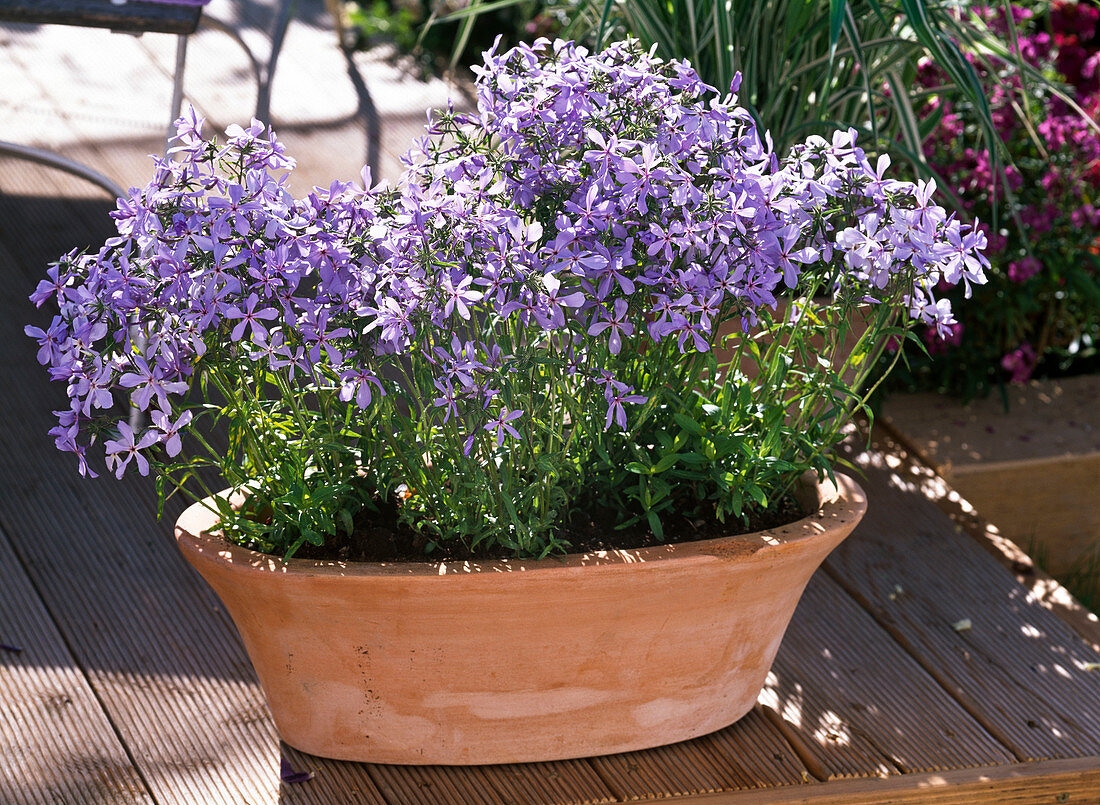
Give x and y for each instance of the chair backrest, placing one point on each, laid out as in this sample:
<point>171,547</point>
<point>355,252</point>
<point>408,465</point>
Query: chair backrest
<point>137,16</point>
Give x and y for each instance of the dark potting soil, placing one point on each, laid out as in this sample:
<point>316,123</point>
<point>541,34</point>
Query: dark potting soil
<point>378,536</point>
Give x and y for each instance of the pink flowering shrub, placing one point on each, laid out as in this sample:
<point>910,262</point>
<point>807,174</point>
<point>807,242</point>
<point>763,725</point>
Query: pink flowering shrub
<point>520,331</point>
<point>1041,307</point>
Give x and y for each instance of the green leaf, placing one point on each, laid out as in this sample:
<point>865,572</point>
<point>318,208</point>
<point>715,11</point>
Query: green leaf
<point>737,503</point>
<point>838,9</point>
<point>688,424</point>
<point>666,462</point>
<point>655,525</point>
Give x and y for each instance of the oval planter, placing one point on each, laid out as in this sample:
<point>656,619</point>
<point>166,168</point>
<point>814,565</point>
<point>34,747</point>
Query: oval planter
<point>523,660</point>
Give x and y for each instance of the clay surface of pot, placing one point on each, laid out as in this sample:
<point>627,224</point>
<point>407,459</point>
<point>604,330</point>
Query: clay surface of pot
<point>522,660</point>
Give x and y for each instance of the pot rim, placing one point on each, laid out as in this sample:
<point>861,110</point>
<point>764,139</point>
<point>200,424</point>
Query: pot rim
<point>836,504</point>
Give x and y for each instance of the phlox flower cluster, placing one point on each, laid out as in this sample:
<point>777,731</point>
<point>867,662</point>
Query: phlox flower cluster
<point>548,274</point>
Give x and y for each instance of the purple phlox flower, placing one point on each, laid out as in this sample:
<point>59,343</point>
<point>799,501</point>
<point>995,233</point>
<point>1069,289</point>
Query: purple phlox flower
<point>126,447</point>
<point>616,394</point>
<point>57,280</point>
<point>685,328</point>
<point>188,131</point>
<point>286,356</point>
<point>500,425</point>
<point>250,318</point>
<point>707,307</point>
<point>460,363</point>
<point>789,238</point>
<point>605,154</point>
<point>65,433</point>
<point>522,232</point>
<point>664,240</point>
<point>269,345</point>
<point>962,257</point>
<point>149,381</point>
<point>612,272</point>
<point>716,229</point>
<point>171,430</point>
<point>496,284</point>
<point>357,384</point>
<point>50,341</point>
<point>617,322</point>
<point>92,386</point>
<point>260,149</point>
<point>315,332</point>
<point>868,251</point>
<point>663,307</point>
<point>459,296</point>
<point>448,400</point>
<point>84,334</point>
<point>235,209</point>
<point>592,214</point>
<point>394,319</point>
<point>928,214</point>
<point>525,306</point>
<point>574,260</point>
<point>640,177</point>
<point>933,312</point>
<point>879,184</point>
<point>551,313</point>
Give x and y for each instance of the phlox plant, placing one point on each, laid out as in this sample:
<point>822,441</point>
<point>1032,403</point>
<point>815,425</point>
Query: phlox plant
<point>600,291</point>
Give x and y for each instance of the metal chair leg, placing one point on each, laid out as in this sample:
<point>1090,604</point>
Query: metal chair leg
<point>52,160</point>
<point>278,34</point>
<point>176,106</point>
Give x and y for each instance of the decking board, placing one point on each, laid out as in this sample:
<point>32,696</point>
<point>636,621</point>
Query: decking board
<point>859,703</point>
<point>1019,669</point>
<point>1072,782</point>
<point>749,754</point>
<point>57,743</point>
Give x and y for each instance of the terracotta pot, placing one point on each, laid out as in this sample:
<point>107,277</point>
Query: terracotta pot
<point>516,661</point>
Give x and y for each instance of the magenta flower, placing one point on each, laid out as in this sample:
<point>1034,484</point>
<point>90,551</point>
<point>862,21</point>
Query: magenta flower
<point>1020,363</point>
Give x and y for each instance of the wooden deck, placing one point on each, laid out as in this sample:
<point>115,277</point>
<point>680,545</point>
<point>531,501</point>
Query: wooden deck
<point>123,681</point>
